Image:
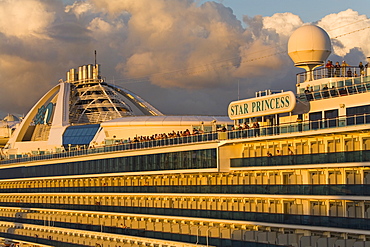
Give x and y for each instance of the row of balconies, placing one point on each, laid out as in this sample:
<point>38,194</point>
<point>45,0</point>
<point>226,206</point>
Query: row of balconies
<point>72,236</point>
<point>301,206</point>
<point>356,175</point>
<point>209,229</point>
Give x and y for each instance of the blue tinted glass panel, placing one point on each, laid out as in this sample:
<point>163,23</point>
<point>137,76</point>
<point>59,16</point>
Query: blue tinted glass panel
<point>80,135</point>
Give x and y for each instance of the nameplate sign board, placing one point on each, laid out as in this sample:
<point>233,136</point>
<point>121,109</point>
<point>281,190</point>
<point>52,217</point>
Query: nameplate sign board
<point>261,106</point>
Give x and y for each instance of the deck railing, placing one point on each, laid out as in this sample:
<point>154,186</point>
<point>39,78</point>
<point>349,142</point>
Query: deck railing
<point>301,126</point>
<point>323,72</point>
<point>348,86</point>
<point>18,158</point>
<point>296,127</point>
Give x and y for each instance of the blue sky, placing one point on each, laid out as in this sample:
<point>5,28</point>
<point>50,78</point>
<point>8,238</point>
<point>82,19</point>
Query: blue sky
<point>309,11</point>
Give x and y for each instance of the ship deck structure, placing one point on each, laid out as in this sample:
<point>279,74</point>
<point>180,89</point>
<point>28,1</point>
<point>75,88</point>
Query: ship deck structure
<point>282,169</point>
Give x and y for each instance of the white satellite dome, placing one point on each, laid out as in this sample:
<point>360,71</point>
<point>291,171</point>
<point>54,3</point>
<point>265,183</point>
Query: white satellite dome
<point>309,46</point>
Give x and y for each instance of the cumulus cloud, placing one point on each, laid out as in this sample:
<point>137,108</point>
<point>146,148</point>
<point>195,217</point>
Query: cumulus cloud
<point>79,8</point>
<point>27,18</point>
<point>23,38</point>
<point>346,27</point>
<point>283,23</point>
<point>180,44</point>
<point>164,50</point>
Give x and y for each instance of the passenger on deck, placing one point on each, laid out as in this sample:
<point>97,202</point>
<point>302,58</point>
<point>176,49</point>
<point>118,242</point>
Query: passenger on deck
<point>291,153</point>
<point>256,128</point>
<point>333,91</point>
<point>344,68</point>
<point>337,69</point>
<point>308,94</point>
<point>330,67</point>
<point>362,67</point>
<point>325,91</point>
<point>349,73</point>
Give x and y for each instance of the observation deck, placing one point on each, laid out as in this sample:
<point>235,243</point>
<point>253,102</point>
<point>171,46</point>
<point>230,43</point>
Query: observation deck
<point>342,86</point>
<point>355,122</point>
<point>323,73</point>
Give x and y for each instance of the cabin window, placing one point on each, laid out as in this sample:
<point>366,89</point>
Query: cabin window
<point>331,118</point>
<point>315,120</point>
<point>359,110</point>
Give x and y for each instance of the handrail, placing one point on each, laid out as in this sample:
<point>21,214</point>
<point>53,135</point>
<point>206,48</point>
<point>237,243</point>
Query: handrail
<point>199,138</point>
<point>293,127</point>
<point>324,72</point>
<point>335,89</point>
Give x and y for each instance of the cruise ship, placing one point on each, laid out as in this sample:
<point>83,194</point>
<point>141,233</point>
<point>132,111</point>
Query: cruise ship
<point>84,168</point>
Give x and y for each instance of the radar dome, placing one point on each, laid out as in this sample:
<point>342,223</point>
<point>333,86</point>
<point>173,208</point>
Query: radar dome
<point>309,46</point>
<point>11,118</point>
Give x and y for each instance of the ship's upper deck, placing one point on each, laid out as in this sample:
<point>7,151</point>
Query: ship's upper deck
<point>325,73</point>
<point>330,86</point>
<point>356,116</point>
<point>355,122</point>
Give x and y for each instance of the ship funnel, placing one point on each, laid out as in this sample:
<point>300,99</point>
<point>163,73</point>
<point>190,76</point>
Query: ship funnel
<point>84,74</point>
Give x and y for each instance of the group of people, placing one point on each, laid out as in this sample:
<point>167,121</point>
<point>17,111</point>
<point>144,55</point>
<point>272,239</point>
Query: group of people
<point>255,127</point>
<point>187,132</point>
<point>245,126</point>
<point>278,153</point>
<point>162,136</point>
<point>290,153</point>
<point>342,70</point>
<point>325,92</point>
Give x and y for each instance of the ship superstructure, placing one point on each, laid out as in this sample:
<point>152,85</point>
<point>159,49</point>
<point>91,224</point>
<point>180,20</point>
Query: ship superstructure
<point>288,169</point>
<point>92,100</point>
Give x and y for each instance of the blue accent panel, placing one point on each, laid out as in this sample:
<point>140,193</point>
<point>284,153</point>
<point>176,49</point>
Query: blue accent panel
<point>44,114</point>
<point>80,134</point>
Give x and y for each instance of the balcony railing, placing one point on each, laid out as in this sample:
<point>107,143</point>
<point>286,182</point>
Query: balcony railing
<point>304,159</point>
<point>301,126</point>
<point>296,127</point>
<point>347,86</point>
<point>322,72</point>
<point>278,218</point>
<point>268,189</point>
<point>40,155</point>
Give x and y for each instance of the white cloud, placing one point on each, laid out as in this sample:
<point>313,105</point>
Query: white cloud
<point>24,18</point>
<point>98,25</point>
<point>349,29</point>
<point>79,8</point>
<point>283,23</point>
